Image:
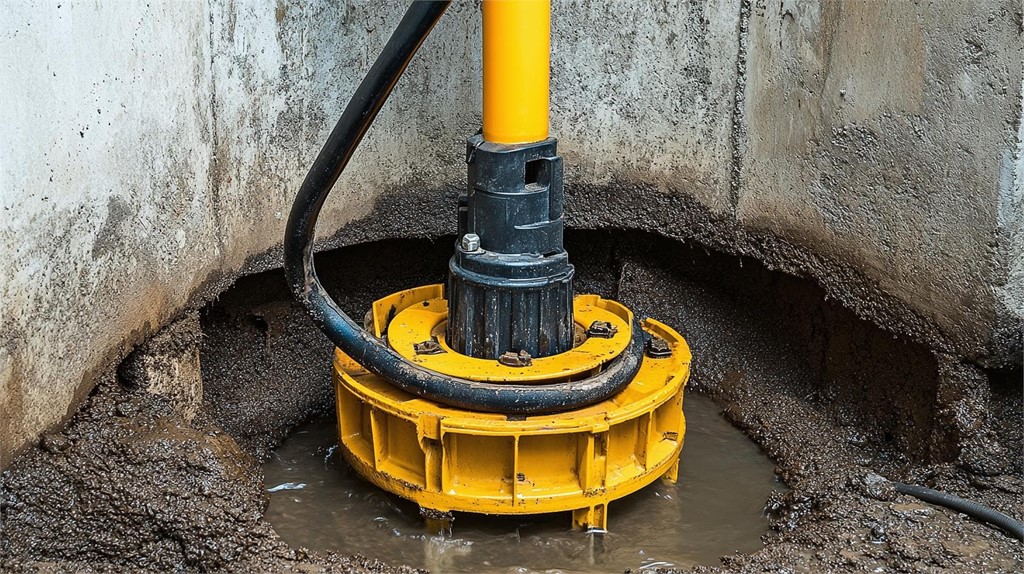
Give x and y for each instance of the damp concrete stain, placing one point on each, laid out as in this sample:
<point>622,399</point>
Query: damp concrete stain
<point>716,508</point>
<point>832,399</point>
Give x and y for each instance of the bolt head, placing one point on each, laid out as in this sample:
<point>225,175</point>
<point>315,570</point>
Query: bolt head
<point>470,242</point>
<point>657,348</point>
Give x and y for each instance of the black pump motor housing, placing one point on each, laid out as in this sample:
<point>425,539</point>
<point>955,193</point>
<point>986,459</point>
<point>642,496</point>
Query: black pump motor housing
<point>510,280</point>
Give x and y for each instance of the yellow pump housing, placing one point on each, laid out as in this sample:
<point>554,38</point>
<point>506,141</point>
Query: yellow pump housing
<point>447,459</point>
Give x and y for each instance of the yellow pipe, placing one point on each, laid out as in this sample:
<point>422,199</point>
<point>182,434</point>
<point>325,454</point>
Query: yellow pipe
<point>517,66</point>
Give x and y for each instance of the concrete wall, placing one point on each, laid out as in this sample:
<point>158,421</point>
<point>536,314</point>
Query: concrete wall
<point>106,187</point>
<point>883,134</point>
<point>149,153</point>
<point>1011,225</point>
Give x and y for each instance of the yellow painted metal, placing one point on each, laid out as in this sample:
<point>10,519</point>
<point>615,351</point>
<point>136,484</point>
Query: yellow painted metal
<point>420,314</point>
<point>517,66</point>
<point>448,459</point>
<point>386,308</point>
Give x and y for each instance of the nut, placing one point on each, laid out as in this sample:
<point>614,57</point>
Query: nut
<point>602,330</point>
<point>513,359</point>
<point>428,347</point>
<point>470,242</point>
<point>657,348</point>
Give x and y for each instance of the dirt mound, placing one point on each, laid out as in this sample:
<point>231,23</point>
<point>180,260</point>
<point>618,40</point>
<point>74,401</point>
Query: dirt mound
<point>130,486</point>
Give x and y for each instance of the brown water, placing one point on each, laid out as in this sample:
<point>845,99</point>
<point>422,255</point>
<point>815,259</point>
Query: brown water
<point>318,502</point>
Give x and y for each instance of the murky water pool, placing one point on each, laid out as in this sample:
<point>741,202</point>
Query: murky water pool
<point>715,509</point>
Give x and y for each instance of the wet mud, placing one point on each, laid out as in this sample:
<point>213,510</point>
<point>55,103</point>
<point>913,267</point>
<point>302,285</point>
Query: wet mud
<point>130,486</point>
<point>835,401</point>
<point>838,403</point>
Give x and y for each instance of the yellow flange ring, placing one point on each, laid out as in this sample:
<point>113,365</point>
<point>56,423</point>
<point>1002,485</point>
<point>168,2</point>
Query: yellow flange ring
<point>420,320</point>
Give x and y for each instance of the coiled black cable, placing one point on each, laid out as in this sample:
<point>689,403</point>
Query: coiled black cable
<point>362,346</point>
<point>1010,525</point>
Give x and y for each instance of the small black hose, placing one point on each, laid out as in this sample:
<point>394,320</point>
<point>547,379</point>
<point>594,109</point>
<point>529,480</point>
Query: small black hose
<point>363,347</point>
<point>985,514</point>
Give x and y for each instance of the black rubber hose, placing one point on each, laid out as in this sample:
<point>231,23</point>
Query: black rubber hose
<point>362,346</point>
<point>985,514</point>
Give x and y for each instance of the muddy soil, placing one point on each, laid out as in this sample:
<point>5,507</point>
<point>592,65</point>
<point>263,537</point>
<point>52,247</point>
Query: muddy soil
<point>835,401</point>
<point>129,486</point>
<point>265,367</point>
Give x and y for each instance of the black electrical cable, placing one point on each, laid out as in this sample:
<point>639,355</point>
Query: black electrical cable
<point>362,346</point>
<point>1010,525</point>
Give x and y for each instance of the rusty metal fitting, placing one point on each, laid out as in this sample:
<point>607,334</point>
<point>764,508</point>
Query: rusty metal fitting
<point>513,359</point>
<point>429,347</point>
<point>657,348</point>
<point>602,329</point>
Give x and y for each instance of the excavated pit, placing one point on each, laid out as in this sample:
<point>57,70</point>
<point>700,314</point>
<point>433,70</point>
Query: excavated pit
<point>146,482</point>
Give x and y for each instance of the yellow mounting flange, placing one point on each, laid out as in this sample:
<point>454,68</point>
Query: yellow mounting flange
<point>426,320</point>
<point>448,459</point>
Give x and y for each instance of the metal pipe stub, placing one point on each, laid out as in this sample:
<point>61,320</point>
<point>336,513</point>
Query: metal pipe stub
<point>510,280</point>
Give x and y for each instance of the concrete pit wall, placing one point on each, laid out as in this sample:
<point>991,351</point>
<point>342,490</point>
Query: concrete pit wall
<point>149,156</point>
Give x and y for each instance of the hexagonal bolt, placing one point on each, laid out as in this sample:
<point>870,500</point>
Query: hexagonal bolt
<point>602,330</point>
<point>514,359</point>
<point>470,242</point>
<point>428,347</point>
<point>657,348</point>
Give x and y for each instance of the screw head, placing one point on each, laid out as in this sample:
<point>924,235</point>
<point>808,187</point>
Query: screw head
<point>470,242</point>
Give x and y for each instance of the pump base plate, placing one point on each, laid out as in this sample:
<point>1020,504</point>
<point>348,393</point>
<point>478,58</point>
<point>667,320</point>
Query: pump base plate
<point>448,459</point>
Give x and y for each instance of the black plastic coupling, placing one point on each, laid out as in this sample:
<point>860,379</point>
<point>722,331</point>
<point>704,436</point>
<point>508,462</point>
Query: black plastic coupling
<point>510,280</point>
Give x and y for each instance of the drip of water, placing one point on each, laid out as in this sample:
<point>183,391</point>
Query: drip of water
<point>715,509</point>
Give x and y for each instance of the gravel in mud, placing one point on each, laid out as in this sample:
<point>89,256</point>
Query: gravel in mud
<point>129,486</point>
<point>837,404</point>
<point>836,401</point>
<point>266,368</point>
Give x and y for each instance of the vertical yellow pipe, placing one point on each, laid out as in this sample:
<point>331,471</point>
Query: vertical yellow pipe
<point>517,66</point>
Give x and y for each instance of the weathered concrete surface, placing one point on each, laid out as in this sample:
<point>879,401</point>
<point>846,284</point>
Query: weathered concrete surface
<point>1011,224</point>
<point>643,92</point>
<point>105,187</point>
<point>182,132</point>
<point>282,74</point>
<point>149,151</point>
<point>883,134</point>
<point>175,135</point>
